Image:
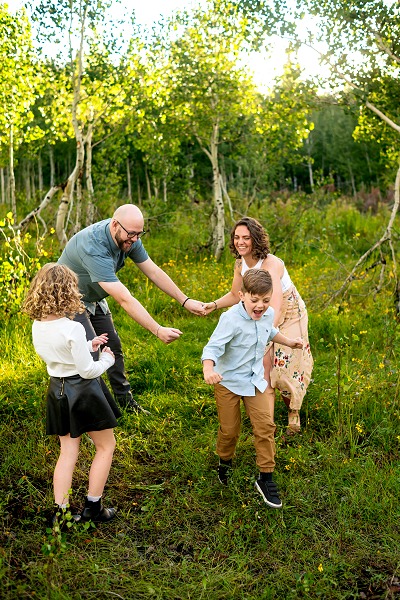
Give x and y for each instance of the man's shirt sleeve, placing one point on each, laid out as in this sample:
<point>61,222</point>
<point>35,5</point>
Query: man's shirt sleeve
<point>138,252</point>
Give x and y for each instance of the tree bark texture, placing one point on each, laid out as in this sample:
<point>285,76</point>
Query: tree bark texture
<point>128,179</point>
<point>218,221</point>
<point>3,186</point>
<point>89,179</point>
<point>12,175</point>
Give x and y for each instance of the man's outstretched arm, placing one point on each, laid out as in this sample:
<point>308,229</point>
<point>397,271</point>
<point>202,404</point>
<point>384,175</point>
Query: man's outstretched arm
<point>137,312</point>
<point>165,283</point>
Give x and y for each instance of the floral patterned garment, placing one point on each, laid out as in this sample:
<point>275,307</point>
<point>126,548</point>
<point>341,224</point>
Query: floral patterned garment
<point>291,369</point>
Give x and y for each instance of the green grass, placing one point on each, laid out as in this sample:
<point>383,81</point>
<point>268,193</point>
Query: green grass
<point>179,534</point>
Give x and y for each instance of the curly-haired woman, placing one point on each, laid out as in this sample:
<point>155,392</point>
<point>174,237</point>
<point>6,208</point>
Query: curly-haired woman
<point>75,401</point>
<point>289,372</point>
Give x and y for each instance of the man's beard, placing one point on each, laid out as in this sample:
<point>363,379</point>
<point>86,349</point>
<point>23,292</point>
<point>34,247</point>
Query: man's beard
<point>124,245</point>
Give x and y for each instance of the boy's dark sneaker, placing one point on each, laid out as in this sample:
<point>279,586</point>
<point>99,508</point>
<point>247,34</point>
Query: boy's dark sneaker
<point>269,492</point>
<point>224,468</point>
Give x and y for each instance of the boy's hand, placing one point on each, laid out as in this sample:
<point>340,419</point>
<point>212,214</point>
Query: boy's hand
<point>211,376</point>
<point>298,343</point>
<point>98,341</point>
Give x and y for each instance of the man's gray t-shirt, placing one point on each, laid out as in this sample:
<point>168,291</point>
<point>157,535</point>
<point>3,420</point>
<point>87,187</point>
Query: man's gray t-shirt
<point>94,256</point>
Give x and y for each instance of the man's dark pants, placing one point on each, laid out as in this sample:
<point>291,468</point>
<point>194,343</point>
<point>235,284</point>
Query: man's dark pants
<point>102,323</point>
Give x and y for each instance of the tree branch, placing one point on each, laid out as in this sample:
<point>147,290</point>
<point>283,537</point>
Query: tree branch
<point>386,237</point>
<point>36,211</point>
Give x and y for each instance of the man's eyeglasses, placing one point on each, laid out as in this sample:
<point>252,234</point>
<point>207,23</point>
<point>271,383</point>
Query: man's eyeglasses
<point>131,234</point>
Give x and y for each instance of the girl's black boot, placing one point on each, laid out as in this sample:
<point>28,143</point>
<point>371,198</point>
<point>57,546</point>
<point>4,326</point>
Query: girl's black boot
<point>95,511</point>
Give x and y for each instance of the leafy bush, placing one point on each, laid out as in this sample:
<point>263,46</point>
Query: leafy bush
<point>16,267</point>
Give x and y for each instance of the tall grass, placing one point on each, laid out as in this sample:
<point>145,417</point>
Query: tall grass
<point>179,534</point>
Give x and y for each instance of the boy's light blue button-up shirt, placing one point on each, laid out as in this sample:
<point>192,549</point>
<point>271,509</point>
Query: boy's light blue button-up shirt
<point>237,348</point>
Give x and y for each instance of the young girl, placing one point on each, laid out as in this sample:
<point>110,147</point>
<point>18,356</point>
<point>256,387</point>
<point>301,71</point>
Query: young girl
<point>75,401</point>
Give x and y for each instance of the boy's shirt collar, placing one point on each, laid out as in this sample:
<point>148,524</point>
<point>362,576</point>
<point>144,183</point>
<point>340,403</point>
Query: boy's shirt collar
<point>243,312</point>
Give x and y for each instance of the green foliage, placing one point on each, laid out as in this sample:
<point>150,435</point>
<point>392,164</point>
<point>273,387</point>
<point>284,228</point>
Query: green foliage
<point>17,85</point>
<point>17,267</point>
<point>155,107</point>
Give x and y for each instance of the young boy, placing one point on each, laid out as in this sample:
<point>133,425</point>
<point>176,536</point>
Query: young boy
<point>236,349</point>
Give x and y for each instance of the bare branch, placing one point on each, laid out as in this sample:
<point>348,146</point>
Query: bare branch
<point>36,212</point>
<point>386,237</point>
<point>382,116</point>
<point>381,44</point>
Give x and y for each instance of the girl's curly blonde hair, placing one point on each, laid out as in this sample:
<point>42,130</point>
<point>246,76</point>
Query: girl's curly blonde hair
<point>53,291</point>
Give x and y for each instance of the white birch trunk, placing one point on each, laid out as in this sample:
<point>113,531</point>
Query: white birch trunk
<point>77,172</point>
<point>218,216</point>
<point>89,179</point>
<point>219,230</point>
<point>12,175</point>
<point>3,186</point>
<point>40,173</point>
<point>27,180</point>
<point>139,191</point>
<point>128,179</point>
<point>310,175</point>
<point>353,183</point>
<point>52,167</point>
<point>147,183</point>
<point>165,190</point>
<point>33,183</point>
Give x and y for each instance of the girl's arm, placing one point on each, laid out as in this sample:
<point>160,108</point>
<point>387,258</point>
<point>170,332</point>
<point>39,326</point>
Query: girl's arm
<point>85,365</point>
<point>231,297</point>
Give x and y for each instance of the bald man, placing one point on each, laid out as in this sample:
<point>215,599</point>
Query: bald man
<point>96,254</point>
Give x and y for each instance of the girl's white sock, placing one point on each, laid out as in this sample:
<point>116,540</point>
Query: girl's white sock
<point>93,498</point>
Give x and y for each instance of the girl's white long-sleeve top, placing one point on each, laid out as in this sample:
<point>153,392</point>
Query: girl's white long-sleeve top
<point>63,346</point>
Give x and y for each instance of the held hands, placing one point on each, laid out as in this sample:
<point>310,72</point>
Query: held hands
<point>209,307</point>
<point>98,341</point>
<point>168,334</point>
<point>196,307</point>
<point>211,376</point>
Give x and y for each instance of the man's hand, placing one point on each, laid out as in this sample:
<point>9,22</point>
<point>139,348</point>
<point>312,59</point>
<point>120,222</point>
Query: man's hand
<point>168,334</point>
<point>196,307</point>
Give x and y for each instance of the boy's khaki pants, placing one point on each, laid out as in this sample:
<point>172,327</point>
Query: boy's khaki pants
<point>260,410</point>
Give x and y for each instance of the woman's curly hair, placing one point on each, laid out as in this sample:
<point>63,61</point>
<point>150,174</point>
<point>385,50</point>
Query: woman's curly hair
<point>53,291</point>
<point>259,238</point>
